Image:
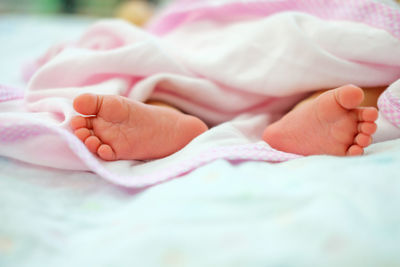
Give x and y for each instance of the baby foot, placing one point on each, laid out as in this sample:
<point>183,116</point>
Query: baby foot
<point>120,128</point>
<point>330,124</point>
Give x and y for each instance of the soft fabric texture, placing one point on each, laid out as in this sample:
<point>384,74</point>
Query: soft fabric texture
<point>315,211</point>
<point>236,64</point>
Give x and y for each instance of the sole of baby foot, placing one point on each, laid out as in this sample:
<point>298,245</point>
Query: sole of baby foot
<point>333,124</point>
<point>117,128</point>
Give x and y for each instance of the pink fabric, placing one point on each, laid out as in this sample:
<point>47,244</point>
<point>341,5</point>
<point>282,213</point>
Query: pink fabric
<point>389,107</point>
<point>365,11</point>
<point>116,58</point>
<point>29,132</point>
<point>10,93</point>
<point>18,133</point>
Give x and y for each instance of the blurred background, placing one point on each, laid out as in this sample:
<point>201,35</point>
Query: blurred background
<point>137,11</point>
<point>28,28</point>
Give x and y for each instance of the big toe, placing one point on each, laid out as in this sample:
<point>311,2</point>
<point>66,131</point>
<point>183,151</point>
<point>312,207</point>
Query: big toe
<point>349,96</point>
<point>87,104</point>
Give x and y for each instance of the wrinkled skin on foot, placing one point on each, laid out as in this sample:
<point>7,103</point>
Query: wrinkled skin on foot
<point>333,124</point>
<point>119,128</point>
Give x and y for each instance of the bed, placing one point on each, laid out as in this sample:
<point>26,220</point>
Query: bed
<point>313,211</point>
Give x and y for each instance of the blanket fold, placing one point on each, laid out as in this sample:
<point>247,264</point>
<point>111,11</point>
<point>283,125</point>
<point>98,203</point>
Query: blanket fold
<point>237,65</point>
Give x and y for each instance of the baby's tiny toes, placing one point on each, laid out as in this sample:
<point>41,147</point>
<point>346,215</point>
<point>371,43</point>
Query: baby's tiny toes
<point>363,140</point>
<point>82,133</point>
<point>92,143</point>
<point>367,128</point>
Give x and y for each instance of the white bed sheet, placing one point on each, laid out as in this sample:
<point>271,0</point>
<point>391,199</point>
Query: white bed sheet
<point>315,211</point>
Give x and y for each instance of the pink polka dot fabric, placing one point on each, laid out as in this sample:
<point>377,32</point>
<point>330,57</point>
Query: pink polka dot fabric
<point>18,132</point>
<point>24,133</point>
<point>389,107</point>
<point>368,12</point>
<point>234,154</point>
<point>10,93</point>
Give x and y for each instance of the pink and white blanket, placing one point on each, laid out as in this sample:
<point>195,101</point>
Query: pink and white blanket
<point>238,65</point>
